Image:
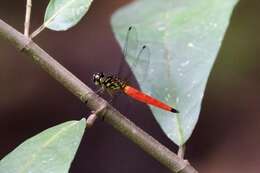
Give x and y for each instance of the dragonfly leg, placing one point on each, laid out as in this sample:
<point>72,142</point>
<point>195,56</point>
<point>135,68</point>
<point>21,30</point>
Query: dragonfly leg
<point>112,95</point>
<point>100,90</point>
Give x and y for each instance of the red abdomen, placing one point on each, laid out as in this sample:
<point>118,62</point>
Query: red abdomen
<point>142,97</point>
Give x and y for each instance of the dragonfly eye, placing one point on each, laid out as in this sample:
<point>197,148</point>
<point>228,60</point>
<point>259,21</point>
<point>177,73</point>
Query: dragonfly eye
<point>97,78</point>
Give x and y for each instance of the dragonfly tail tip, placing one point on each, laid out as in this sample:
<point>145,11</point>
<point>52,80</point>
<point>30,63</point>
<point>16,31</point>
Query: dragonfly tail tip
<point>174,111</point>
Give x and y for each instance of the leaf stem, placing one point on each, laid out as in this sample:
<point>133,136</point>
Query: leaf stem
<point>47,22</point>
<point>94,102</point>
<point>27,18</point>
<point>37,31</point>
<point>181,151</point>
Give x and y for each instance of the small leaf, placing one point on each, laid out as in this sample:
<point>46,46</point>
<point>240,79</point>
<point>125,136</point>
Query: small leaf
<point>51,151</point>
<point>61,15</point>
<point>184,38</point>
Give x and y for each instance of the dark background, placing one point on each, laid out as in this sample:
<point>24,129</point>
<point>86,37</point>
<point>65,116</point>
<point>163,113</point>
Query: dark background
<point>226,138</point>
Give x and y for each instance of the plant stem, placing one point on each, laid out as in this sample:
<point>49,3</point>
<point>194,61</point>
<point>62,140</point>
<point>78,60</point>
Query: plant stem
<point>181,151</point>
<point>27,18</point>
<point>94,102</point>
<point>37,31</point>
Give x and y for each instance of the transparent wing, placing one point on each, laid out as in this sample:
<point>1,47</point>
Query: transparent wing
<point>130,48</point>
<point>137,57</point>
<point>135,61</point>
<point>139,65</point>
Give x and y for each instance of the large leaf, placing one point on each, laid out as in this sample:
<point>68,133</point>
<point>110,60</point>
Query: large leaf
<point>63,14</point>
<point>184,38</point>
<point>50,151</point>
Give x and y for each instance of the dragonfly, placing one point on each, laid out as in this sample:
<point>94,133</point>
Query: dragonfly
<point>113,84</point>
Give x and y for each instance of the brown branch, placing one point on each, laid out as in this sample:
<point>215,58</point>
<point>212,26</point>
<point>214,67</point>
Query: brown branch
<point>94,102</point>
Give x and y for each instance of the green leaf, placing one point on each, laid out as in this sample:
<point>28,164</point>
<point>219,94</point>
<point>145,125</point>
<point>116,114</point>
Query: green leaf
<point>61,15</point>
<point>51,151</point>
<point>184,38</point>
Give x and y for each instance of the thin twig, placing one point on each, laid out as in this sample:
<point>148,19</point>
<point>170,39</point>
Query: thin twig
<point>27,18</point>
<point>94,102</point>
<point>93,117</point>
<point>91,120</point>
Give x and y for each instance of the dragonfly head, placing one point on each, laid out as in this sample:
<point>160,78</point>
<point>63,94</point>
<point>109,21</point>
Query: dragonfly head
<point>97,77</point>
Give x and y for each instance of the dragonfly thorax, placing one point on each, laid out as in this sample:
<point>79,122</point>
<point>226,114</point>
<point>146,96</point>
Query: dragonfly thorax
<point>108,81</point>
